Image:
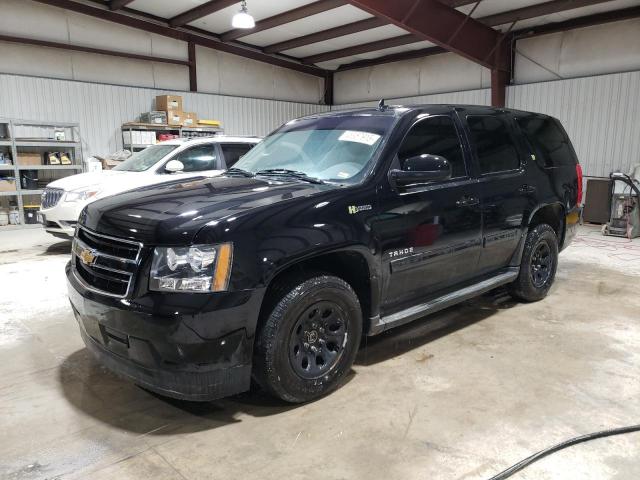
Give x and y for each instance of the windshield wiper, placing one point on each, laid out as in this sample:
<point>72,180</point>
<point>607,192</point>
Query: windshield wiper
<point>283,172</point>
<point>239,171</point>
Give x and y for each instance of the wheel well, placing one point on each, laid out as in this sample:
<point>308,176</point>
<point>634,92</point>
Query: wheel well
<point>552,215</point>
<point>352,267</point>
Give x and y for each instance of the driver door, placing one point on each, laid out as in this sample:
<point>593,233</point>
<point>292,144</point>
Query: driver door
<point>433,242</point>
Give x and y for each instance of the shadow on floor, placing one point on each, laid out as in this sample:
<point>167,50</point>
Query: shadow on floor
<point>425,330</point>
<point>94,390</point>
<point>59,248</point>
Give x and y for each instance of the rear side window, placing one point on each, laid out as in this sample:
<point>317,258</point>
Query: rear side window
<point>233,151</point>
<point>548,140</point>
<point>494,145</point>
<point>435,136</point>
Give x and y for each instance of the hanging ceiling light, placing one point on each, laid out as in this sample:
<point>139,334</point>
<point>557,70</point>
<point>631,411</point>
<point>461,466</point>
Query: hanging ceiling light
<point>243,18</point>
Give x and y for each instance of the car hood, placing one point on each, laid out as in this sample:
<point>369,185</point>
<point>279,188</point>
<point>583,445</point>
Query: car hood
<point>174,212</point>
<point>110,182</point>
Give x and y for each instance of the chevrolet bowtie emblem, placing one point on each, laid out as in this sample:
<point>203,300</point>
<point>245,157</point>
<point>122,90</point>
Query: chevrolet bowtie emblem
<point>87,257</point>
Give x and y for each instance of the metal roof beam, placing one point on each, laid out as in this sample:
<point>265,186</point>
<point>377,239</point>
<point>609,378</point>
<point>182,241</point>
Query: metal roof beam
<point>200,11</point>
<point>186,36</point>
<point>433,21</point>
<point>539,10</point>
<point>118,4</point>
<point>348,29</point>
<point>364,48</point>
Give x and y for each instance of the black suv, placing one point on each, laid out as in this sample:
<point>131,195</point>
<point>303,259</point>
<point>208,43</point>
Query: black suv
<point>334,226</point>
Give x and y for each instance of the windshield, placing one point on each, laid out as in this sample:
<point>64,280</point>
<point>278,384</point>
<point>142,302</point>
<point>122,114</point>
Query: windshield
<point>334,149</point>
<point>145,159</point>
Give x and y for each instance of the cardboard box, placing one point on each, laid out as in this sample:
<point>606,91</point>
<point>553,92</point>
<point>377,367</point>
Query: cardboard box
<point>155,117</point>
<point>7,185</point>
<point>190,119</point>
<point>175,117</point>
<point>169,103</point>
<point>139,137</point>
<point>108,164</point>
<point>29,158</point>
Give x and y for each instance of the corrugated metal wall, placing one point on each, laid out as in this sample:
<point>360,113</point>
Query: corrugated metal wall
<point>469,97</point>
<point>601,115</point>
<point>101,109</point>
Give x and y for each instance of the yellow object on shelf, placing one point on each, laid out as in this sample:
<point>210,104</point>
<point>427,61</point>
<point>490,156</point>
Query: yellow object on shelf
<point>209,123</point>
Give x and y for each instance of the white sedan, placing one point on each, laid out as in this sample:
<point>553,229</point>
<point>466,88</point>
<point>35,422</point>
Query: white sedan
<point>64,199</point>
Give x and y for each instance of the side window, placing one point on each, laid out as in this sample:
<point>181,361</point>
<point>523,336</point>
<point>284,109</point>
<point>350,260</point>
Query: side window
<point>435,136</point>
<point>494,144</point>
<point>199,158</point>
<point>233,151</point>
<point>548,139</point>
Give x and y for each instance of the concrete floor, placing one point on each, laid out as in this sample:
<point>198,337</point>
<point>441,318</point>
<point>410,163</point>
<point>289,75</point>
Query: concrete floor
<point>460,395</point>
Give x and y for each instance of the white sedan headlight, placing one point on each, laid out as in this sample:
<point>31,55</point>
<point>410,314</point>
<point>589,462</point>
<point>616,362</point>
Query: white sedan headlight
<point>199,268</point>
<point>81,195</point>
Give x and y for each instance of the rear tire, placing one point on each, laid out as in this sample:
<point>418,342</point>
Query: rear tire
<point>309,339</point>
<point>538,266</point>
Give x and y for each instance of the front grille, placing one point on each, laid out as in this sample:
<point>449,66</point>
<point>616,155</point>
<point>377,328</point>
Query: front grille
<point>51,197</point>
<point>105,264</point>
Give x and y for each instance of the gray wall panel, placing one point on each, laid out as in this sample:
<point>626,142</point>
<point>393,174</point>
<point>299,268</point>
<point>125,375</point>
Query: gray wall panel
<point>101,109</point>
<point>601,114</point>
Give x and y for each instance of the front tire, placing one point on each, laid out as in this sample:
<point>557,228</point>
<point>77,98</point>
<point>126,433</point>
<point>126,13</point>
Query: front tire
<point>309,340</point>
<point>538,266</point>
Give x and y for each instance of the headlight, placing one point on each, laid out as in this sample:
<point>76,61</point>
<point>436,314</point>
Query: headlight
<point>199,268</point>
<point>80,195</point>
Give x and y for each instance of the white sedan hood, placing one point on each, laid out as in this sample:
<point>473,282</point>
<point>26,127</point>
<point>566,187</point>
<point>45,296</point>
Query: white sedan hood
<point>110,182</point>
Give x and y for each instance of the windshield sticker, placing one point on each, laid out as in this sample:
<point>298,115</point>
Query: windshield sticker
<point>343,175</point>
<point>359,137</point>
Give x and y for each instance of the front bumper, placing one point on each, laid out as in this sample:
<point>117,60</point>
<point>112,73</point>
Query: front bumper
<point>60,220</point>
<point>161,343</point>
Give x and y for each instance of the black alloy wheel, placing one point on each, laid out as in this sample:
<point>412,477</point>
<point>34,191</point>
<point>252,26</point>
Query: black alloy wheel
<point>541,264</point>
<point>318,339</point>
<point>308,336</point>
<point>538,264</point>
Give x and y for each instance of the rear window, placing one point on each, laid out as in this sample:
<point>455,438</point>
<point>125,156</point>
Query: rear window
<point>233,151</point>
<point>493,143</point>
<point>549,141</point>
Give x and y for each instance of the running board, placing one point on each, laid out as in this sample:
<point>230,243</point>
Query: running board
<point>440,303</point>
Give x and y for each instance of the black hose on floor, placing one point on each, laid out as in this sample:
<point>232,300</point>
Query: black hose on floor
<point>560,446</point>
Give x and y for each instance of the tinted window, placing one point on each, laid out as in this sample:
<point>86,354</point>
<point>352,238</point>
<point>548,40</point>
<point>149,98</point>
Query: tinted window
<point>233,151</point>
<point>436,136</point>
<point>494,145</point>
<point>548,140</point>
<point>198,158</point>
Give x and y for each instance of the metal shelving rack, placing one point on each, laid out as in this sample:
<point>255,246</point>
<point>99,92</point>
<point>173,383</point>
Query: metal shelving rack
<point>17,144</point>
<point>182,132</point>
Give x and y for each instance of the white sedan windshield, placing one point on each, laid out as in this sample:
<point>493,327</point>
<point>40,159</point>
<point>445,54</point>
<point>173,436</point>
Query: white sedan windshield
<point>145,159</point>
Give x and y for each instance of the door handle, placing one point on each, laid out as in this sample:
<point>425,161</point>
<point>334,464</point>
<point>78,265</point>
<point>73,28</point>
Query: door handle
<point>467,201</point>
<point>527,189</point>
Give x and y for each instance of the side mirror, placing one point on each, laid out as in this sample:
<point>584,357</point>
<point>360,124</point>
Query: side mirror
<point>421,169</point>
<point>174,166</point>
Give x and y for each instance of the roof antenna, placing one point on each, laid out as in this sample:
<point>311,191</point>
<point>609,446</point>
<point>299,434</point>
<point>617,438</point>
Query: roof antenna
<point>381,105</point>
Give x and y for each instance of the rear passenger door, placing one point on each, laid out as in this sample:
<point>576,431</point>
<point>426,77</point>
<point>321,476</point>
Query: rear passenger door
<point>232,152</point>
<point>505,193</point>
